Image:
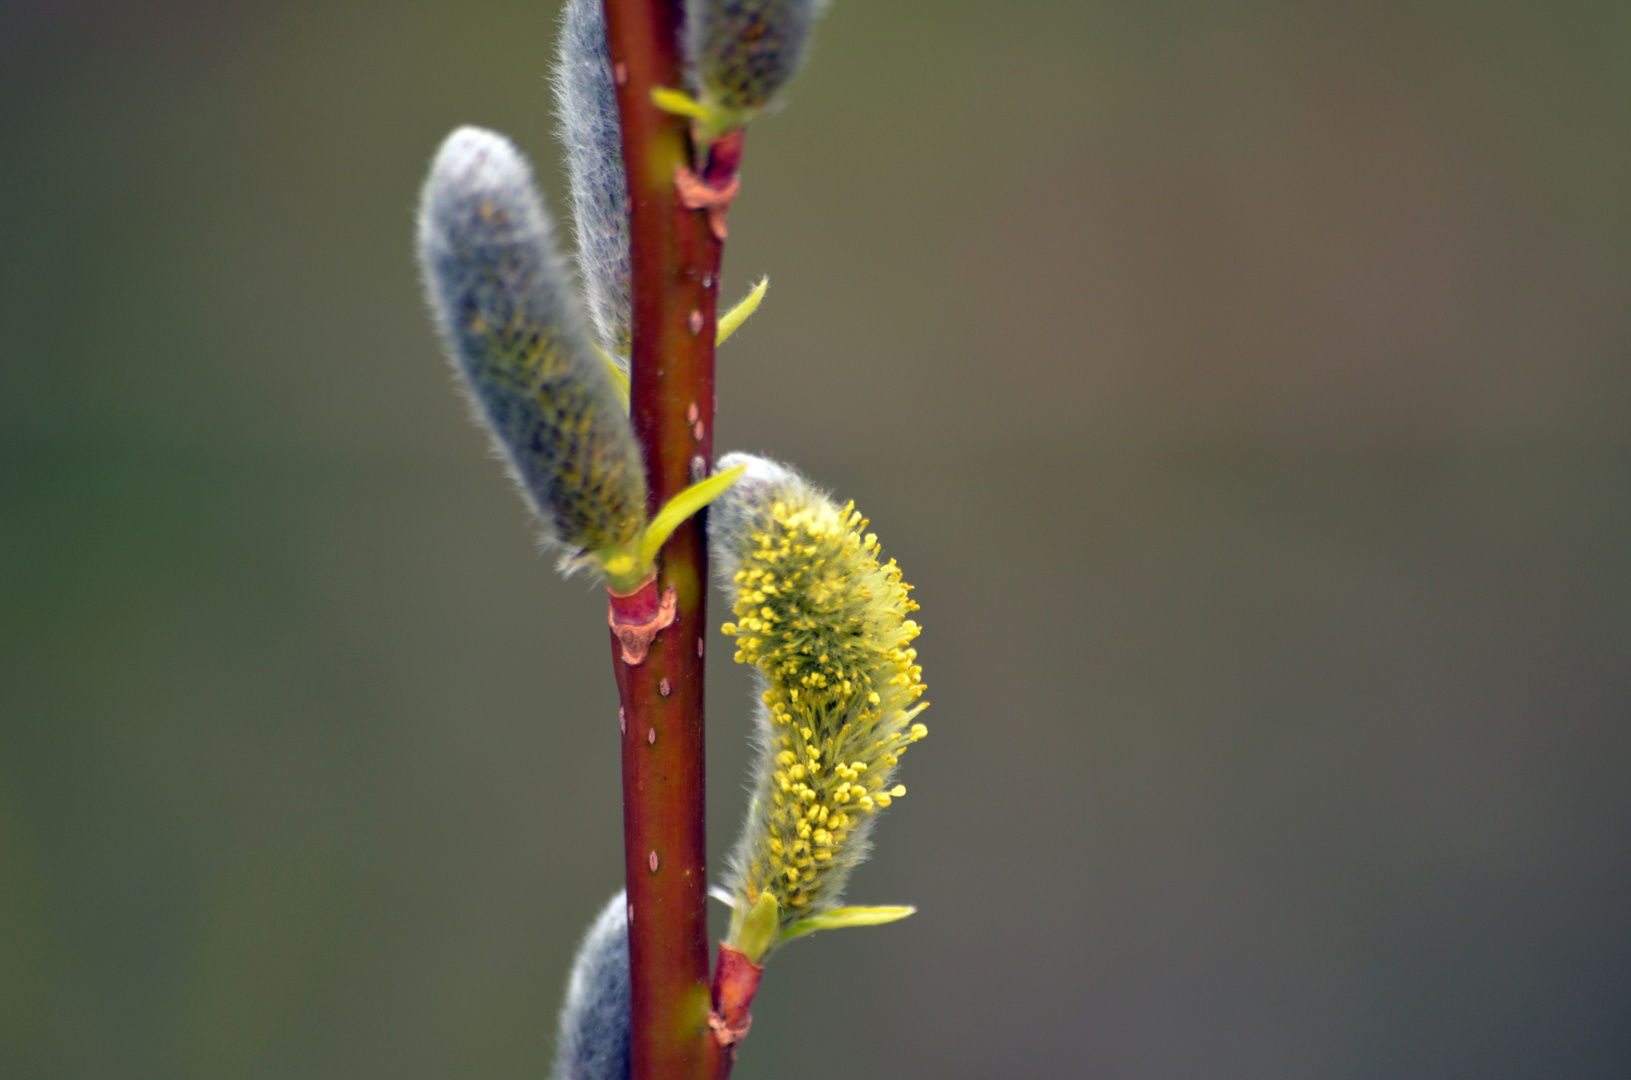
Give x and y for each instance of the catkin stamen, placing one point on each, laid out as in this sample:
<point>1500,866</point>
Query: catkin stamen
<point>825,623</point>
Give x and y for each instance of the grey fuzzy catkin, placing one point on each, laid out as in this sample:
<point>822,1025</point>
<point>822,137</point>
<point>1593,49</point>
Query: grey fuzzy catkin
<point>586,106</point>
<point>593,1043</point>
<point>735,515</point>
<point>743,52</point>
<point>505,305</point>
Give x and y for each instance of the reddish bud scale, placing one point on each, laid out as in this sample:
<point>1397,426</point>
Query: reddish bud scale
<point>725,157</point>
<point>736,982</point>
<point>637,617</point>
<point>717,187</point>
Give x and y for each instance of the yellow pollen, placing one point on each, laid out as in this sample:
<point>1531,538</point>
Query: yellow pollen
<point>825,621</point>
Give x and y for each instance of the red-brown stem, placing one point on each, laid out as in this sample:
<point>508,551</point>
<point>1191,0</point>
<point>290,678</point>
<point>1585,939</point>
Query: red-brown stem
<point>675,270</point>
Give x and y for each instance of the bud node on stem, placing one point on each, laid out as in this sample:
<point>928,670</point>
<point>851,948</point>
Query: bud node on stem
<point>637,617</point>
<point>696,193</point>
<point>736,981</point>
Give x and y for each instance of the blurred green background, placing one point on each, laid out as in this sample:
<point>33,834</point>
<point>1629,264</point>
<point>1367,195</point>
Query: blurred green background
<point>1246,388</point>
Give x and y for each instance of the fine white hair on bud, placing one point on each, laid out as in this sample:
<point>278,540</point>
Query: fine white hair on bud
<point>505,305</point>
<point>593,1042</point>
<point>586,106</point>
<point>743,52</point>
<point>733,517</point>
<point>825,625</point>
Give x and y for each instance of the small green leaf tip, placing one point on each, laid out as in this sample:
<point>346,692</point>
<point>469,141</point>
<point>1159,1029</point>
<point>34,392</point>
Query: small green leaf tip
<point>615,372</point>
<point>711,121</point>
<point>847,916</point>
<point>682,506</point>
<point>825,623</point>
<point>679,103</point>
<point>757,929</point>
<point>733,319</point>
<point>513,326</point>
<point>743,53</point>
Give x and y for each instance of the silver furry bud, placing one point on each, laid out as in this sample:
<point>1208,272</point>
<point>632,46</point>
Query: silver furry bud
<point>593,1043</point>
<point>586,106</point>
<point>513,325</point>
<point>743,52</point>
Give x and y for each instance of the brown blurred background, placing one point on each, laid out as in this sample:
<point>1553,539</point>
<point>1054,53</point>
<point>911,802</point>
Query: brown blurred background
<point>1245,386</point>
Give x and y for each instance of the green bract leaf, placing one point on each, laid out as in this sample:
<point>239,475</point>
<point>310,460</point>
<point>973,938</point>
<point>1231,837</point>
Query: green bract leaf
<point>736,316</point>
<point>682,506</point>
<point>620,381</point>
<point>758,927</point>
<point>680,103</point>
<point>711,122</point>
<point>846,916</point>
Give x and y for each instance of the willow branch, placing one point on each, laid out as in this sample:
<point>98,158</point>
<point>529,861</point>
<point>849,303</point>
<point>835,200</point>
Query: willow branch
<point>675,276</point>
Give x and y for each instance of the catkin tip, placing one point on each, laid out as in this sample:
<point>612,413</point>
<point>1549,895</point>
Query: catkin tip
<point>744,52</point>
<point>593,1038</point>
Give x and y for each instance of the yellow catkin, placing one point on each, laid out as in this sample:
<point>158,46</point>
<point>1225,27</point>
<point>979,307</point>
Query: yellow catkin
<point>825,623</point>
